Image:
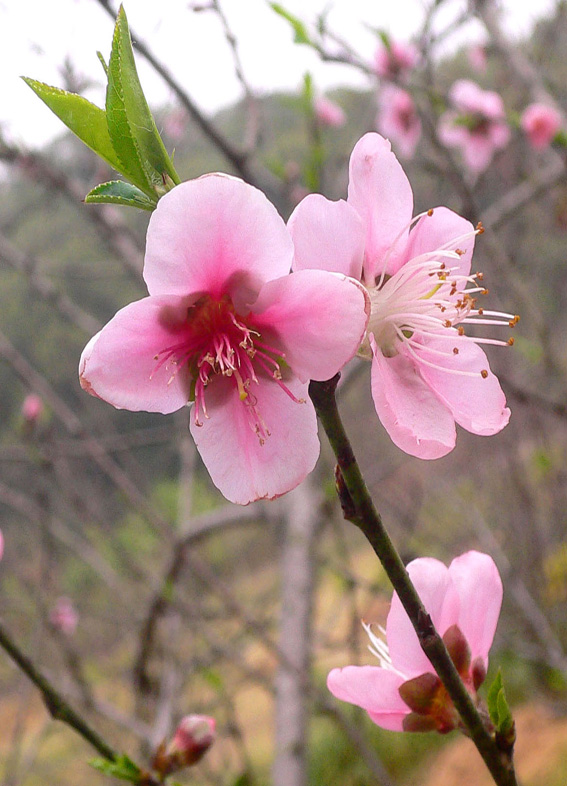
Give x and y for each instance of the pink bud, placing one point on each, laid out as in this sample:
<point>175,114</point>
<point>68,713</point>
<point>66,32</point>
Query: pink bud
<point>477,58</point>
<point>64,616</point>
<point>192,739</point>
<point>1,544</point>
<point>328,113</point>
<point>32,408</point>
<point>540,122</point>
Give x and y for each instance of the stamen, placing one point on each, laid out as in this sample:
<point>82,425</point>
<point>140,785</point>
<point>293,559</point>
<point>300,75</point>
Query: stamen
<point>406,308</point>
<point>216,341</point>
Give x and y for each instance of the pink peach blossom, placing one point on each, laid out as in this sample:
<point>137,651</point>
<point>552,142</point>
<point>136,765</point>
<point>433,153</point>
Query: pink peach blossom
<point>395,59</point>
<point>476,124</point>
<point>1,544</point>
<point>64,616</point>
<point>403,693</point>
<point>427,374</point>
<point>397,119</point>
<point>541,123</point>
<point>328,113</point>
<point>226,327</point>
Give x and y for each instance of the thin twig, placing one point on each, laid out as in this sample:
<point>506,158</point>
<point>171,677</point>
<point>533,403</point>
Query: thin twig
<point>55,703</point>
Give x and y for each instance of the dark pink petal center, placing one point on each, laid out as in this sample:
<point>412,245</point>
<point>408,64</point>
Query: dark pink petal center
<point>215,340</point>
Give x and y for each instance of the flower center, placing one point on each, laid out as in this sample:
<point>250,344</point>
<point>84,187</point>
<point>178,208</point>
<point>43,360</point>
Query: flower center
<point>429,298</point>
<point>216,341</point>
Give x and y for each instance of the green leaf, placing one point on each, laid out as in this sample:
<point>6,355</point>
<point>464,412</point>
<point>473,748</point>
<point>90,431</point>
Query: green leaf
<point>84,119</point>
<point>301,35</point>
<point>117,192</point>
<point>103,63</point>
<point>130,123</point>
<point>492,698</point>
<point>498,708</point>
<point>505,719</point>
<point>122,768</point>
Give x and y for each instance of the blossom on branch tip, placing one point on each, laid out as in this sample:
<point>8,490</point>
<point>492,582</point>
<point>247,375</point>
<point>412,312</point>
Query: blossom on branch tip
<point>395,59</point>
<point>540,123</point>
<point>427,374</point>
<point>397,119</point>
<point>227,328</point>
<point>404,693</point>
<point>476,124</point>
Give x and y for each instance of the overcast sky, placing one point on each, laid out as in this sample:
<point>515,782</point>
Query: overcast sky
<point>37,35</point>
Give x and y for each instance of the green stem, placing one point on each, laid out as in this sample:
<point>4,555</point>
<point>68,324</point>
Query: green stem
<point>363,514</point>
<point>55,703</point>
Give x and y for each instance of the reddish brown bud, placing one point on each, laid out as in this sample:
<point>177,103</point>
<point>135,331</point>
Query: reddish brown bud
<point>478,672</point>
<point>415,722</point>
<point>458,648</point>
<point>420,692</point>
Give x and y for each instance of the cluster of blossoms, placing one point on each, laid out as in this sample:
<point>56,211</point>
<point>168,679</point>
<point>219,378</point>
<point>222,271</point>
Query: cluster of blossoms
<point>404,693</point>
<point>476,121</point>
<point>227,328</point>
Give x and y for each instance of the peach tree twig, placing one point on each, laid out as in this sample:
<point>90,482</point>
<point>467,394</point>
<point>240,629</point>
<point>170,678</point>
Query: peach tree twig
<point>359,508</point>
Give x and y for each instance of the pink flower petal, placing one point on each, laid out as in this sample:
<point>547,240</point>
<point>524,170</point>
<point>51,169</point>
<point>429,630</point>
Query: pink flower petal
<point>479,586</point>
<point>213,235</point>
<point>119,364</point>
<point>440,230</point>
<point>380,192</point>
<point>397,119</point>
<point>477,404</point>
<point>416,421</point>
<point>374,689</point>
<point>317,339</point>
<point>477,152</point>
<point>243,469</point>
<point>433,583</point>
<point>327,236</point>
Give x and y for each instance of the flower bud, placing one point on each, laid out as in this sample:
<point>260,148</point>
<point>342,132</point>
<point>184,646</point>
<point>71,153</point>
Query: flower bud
<point>32,409</point>
<point>458,649</point>
<point>64,616</point>
<point>192,739</point>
